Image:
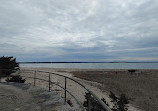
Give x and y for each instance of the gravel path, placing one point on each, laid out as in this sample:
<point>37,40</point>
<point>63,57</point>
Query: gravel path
<point>22,97</point>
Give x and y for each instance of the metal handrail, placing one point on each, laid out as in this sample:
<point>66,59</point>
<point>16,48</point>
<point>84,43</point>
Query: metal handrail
<point>104,106</point>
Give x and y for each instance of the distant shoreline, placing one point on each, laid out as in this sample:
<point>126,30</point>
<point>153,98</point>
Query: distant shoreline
<point>85,62</point>
<point>82,69</point>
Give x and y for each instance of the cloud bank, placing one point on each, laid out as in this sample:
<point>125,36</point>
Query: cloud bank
<point>79,30</point>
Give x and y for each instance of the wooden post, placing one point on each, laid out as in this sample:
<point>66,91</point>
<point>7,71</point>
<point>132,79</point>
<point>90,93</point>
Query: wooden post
<point>89,102</point>
<point>65,90</point>
<point>35,78</point>
<point>49,82</point>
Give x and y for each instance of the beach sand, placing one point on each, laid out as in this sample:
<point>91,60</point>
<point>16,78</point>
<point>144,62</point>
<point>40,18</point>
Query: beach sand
<point>141,86</point>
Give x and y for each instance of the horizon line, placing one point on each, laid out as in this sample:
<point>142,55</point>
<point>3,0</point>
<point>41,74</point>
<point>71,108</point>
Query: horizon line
<point>94,62</point>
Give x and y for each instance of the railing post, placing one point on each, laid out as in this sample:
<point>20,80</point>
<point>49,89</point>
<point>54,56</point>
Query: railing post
<point>19,72</point>
<point>35,78</point>
<point>49,82</point>
<point>65,90</point>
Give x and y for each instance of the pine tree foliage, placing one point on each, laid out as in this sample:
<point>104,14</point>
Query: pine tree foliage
<point>8,65</point>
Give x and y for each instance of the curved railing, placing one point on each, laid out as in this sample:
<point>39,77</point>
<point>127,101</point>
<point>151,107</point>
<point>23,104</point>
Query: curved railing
<point>104,106</point>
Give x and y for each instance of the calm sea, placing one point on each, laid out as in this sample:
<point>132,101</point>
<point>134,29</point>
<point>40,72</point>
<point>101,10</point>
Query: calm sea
<point>93,65</point>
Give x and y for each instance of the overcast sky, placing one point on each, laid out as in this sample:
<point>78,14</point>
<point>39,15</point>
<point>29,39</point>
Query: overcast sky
<point>79,30</point>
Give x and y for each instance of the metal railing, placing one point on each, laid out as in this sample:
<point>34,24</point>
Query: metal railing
<point>35,78</point>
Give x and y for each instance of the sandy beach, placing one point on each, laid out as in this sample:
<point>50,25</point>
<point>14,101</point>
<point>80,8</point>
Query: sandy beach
<point>141,87</point>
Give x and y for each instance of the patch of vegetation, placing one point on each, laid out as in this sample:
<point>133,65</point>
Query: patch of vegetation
<point>15,78</point>
<point>69,102</point>
<point>131,71</point>
<point>91,104</point>
<point>8,65</point>
<point>120,103</point>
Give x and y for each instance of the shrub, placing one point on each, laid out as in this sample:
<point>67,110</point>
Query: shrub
<point>131,71</point>
<point>15,78</point>
<point>69,102</point>
<point>8,65</point>
<point>94,105</point>
<point>120,103</point>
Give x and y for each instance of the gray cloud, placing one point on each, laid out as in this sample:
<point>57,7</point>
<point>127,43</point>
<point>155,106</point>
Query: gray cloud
<point>99,30</point>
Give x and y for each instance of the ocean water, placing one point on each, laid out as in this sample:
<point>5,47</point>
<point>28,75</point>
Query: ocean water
<point>93,65</point>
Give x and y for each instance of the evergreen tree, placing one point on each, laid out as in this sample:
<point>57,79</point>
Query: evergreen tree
<point>8,65</point>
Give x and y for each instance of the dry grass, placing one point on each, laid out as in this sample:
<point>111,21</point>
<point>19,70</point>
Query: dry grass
<point>141,86</point>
